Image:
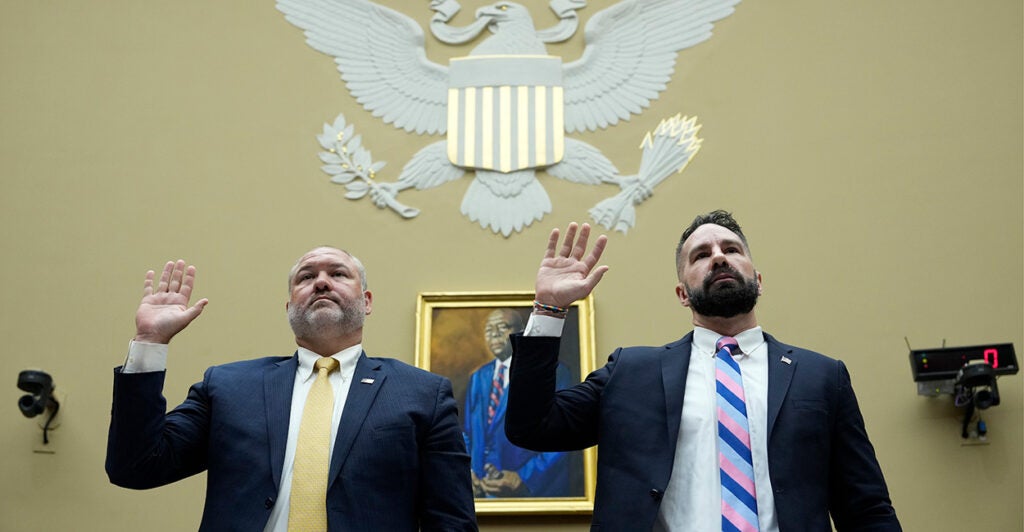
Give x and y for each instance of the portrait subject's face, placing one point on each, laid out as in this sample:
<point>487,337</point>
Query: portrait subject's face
<point>717,276</point>
<point>326,293</point>
<point>499,325</point>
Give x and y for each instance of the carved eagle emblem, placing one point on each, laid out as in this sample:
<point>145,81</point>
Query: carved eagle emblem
<point>506,109</point>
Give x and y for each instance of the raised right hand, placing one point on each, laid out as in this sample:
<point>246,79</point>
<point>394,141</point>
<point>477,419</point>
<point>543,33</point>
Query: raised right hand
<point>164,310</point>
<point>566,276</point>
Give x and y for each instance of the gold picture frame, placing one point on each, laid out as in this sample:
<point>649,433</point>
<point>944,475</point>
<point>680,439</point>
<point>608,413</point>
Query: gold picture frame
<point>451,341</point>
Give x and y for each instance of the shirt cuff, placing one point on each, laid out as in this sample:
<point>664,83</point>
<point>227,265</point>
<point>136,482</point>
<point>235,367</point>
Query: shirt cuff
<point>144,357</point>
<point>540,325</point>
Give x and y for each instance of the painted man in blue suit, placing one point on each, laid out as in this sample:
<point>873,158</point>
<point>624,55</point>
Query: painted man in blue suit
<point>392,456</point>
<point>500,469</point>
<point>724,429</point>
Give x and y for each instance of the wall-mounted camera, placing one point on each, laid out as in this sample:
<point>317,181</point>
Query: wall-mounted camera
<point>39,399</point>
<point>976,383</point>
<point>967,373</point>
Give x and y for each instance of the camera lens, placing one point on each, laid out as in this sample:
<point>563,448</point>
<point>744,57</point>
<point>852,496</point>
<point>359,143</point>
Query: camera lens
<point>29,406</point>
<point>983,399</point>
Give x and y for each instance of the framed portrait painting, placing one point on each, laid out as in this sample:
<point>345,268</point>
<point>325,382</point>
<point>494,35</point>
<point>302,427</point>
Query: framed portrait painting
<point>464,337</point>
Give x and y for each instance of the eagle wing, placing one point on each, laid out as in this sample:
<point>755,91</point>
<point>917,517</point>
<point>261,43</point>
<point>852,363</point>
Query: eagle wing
<point>629,57</point>
<point>381,58</point>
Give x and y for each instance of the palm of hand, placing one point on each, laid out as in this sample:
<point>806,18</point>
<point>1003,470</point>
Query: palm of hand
<point>564,279</point>
<point>569,272</point>
<point>161,313</point>
<point>164,311</point>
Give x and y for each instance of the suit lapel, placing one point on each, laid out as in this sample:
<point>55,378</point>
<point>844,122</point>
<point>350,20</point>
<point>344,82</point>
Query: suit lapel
<point>366,382</point>
<point>278,385</point>
<point>780,375</point>
<point>675,362</point>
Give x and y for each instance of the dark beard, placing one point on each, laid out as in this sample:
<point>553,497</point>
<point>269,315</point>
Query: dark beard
<point>738,297</point>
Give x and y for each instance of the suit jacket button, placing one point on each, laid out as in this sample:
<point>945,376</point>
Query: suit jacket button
<point>269,503</point>
<point>656,494</point>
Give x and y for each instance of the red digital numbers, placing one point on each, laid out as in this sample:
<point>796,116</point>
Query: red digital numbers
<point>994,360</point>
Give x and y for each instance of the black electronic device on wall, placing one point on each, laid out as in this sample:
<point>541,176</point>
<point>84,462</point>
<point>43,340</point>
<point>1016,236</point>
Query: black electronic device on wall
<point>968,374</point>
<point>943,363</point>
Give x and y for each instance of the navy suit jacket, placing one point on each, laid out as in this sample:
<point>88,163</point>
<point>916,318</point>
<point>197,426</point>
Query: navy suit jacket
<point>399,460</point>
<point>544,474</point>
<point>819,456</point>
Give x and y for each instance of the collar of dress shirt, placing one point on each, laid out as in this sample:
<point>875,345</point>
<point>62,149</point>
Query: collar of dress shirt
<point>346,358</point>
<point>749,340</point>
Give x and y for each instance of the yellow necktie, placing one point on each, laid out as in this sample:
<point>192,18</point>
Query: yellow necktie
<point>308,503</point>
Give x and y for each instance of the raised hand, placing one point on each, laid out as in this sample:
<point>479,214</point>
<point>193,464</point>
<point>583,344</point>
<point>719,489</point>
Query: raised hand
<point>566,275</point>
<point>164,310</point>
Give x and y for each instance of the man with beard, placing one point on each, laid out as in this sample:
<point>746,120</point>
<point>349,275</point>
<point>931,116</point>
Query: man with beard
<point>388,452</point>
<point>724,429</point>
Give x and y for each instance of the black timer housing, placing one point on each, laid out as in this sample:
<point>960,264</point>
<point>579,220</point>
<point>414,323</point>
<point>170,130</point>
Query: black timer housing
<point>943,363</point>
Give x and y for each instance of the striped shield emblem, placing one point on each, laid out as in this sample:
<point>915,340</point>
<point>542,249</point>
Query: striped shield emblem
<point>505,113</point>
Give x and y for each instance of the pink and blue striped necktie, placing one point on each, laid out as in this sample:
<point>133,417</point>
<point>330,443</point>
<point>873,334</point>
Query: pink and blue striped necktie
<point>497,390</point>
<point>739,498</point>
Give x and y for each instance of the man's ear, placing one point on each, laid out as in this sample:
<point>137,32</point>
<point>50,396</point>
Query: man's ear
<point>760,288</point>
<point>684,298</point>
<point>368,299</point>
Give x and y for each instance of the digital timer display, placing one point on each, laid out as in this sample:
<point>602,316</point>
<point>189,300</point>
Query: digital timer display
<point>944,362</point>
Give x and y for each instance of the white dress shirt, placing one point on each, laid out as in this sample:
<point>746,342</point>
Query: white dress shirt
<point>693,499</point>
<point>145,357</point>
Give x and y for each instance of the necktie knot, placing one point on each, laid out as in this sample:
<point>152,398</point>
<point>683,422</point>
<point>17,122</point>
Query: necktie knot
<point>729,343</point>
<point>328,363</point>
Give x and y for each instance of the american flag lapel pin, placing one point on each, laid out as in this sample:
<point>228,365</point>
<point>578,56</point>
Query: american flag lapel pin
<point>367,381</point>
<point>786,360</point>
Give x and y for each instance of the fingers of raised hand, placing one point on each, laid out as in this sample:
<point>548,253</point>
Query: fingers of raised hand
<point>195,310</point>
<point>575,248</point>
<point>595,276</point>
<point>567,244</point>
<point>165,277</point>
<point>595,253</point>
<point>176,275</point>
<point>188,281</point>
<point>176,278</point>
<point>552,244</point>
<point>581,243</point>
<point>147,285</point>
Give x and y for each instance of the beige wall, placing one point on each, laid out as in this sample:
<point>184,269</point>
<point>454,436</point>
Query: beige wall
<point>872,150</point>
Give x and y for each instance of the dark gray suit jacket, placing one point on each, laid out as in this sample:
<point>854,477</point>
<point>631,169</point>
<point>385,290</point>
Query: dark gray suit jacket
<point>820,459</point>
<point>399,459</point>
